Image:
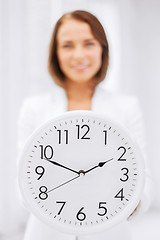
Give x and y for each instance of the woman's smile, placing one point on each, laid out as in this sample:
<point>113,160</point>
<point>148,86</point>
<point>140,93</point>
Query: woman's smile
<point>80,68</point>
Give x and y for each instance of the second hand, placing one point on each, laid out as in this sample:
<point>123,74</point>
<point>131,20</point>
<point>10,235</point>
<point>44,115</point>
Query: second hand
<point>63,184</point>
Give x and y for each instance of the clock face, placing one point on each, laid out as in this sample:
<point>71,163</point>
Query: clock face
<point>81,173</point>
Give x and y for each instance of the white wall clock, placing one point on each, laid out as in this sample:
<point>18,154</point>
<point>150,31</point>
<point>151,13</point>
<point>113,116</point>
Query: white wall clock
<point>81,173</point>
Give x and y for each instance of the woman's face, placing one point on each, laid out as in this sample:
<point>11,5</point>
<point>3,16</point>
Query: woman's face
<point>79,53</point>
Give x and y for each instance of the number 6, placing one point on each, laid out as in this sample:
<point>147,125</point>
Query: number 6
<point>81,216</point>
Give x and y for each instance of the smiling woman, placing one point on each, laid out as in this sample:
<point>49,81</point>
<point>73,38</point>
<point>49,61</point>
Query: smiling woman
<point>78,62</point>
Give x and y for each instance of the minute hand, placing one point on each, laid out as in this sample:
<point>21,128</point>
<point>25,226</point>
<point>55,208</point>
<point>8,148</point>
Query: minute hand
<point>100,164</point>
<point>60,165</point>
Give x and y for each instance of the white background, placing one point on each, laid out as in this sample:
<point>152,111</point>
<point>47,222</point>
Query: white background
<point>133,29</point>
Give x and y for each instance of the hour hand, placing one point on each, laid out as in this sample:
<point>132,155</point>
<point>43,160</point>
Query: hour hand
<point>62,166</point>
<point>100,164</point>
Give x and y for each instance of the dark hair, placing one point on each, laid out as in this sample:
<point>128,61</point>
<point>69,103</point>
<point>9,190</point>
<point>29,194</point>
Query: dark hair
<point>98,32</point>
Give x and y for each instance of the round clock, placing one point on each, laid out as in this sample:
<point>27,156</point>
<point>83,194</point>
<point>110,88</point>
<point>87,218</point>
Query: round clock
<point>81,173</point>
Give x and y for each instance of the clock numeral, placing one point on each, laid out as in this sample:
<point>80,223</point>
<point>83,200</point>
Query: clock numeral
<point>105,137</point>
<point>40,171</point>
<point>46,152</point>
<point>87,128</point>
<point>103,208</point>
<point>120,194</point>
<point>121,157</point>
<point>125,174</point>
<point>43,193</point>
<point>60,136</point>
<point>63,203</point>
<point>81,216</point>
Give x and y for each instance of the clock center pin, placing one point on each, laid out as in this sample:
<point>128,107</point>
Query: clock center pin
<point>81,172</point>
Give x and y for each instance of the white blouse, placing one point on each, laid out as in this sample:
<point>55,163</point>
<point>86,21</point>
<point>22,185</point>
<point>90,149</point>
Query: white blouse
<point>124,109</point>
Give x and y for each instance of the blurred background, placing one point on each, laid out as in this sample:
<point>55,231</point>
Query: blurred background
<point>133,29</point>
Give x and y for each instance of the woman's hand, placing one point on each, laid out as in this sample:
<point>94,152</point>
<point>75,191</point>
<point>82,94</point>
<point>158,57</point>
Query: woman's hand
<point>135,210</point>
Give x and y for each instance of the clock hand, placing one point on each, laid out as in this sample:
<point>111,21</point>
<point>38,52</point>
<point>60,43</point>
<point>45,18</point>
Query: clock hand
<point>60,165</point>
<point>63,184</point>
<point>100,164</point>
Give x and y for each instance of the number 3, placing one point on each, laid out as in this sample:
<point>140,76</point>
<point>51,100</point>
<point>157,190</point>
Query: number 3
<point>125,174</point>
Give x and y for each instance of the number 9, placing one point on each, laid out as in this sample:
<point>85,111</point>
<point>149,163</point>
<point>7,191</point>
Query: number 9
<point>40,171</point>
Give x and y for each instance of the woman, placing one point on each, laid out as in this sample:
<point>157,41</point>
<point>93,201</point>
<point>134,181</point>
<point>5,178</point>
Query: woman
<point>78,62</point>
